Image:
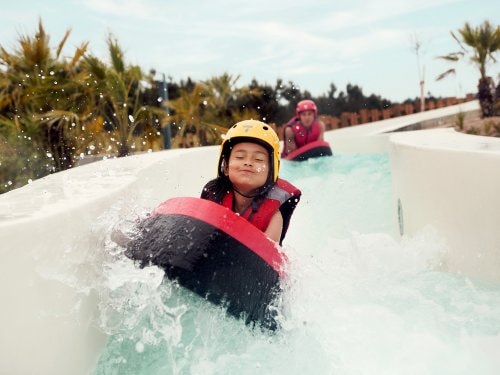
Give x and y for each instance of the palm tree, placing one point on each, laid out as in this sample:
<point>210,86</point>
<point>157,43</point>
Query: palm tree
<point>202,114</point>
<point>187,119</point>
<point>222,100</point>
<point>34,83</point>
<point>118,96</point>
<point>483,41</point>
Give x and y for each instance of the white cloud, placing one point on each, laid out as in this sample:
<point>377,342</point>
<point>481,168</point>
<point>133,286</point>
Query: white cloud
<point>123,8</point>
<point>372,12</point>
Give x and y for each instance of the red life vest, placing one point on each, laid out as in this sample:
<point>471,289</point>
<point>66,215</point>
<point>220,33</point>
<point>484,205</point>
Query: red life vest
<point>283,196</point>
<point>302,135</point>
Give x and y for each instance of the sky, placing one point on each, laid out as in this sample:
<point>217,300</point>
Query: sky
<point>313,43</point>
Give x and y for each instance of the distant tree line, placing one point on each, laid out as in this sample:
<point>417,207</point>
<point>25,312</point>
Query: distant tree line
<point>276,104</point>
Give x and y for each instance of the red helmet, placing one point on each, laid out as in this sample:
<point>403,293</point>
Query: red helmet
<point>306,105</point>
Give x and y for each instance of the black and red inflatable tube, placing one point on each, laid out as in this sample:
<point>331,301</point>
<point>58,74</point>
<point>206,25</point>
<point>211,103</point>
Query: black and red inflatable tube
<point>310,150</point>
<point>215,253</point>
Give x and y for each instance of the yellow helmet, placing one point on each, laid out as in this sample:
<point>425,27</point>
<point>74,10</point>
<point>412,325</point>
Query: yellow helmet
<point>256,132</point>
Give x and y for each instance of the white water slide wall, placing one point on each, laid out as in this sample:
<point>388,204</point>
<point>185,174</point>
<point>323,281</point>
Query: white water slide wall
<point>442,178</point>
<point>50,243</point>
<point>50,251</point>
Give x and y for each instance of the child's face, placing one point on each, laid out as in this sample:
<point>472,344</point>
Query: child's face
<point>248,167</point>
<point>306,118</point>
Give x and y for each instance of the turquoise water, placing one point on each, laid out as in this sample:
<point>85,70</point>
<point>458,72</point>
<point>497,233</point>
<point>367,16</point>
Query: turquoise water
<point>358,300</point>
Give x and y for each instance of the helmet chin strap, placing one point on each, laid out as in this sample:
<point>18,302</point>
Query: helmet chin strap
<point>244,195</point>
<point>260,192</point>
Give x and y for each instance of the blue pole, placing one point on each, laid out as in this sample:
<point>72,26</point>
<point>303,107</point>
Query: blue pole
<point>167,136</point>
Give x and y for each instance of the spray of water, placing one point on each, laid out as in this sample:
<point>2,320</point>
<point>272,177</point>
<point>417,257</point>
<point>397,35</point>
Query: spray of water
<point>357,299</point>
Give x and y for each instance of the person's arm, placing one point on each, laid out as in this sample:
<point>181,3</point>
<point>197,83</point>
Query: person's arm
<point>289,140</point>
<point>321,131</point>
<point>275,227</point>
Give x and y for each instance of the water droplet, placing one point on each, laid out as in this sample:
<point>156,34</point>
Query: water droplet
<point>139,347</point>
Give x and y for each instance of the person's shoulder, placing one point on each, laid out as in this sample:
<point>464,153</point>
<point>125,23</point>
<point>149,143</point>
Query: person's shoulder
<point>210,184</point>
<point>287,186</point>
<point>211,189</point>
<point>292,121</point>
<point>287,130</point>
<point>321,124</point>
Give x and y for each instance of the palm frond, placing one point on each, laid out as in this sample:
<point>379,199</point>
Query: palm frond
<point>79,53</point>
<point>445,74</point>
<point>116,55</point>
<point>454,56</point>
<point>62,43</point>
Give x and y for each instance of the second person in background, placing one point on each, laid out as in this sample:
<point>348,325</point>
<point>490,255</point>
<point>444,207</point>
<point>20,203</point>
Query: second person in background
<point>303,128</point>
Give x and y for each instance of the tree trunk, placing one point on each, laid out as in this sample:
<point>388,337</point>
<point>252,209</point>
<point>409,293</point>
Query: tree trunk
<point>60,148</point>
<point>485,96</point>
<point>123,150</point>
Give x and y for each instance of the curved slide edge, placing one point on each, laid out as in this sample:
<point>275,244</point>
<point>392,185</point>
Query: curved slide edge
<point>450,181</point>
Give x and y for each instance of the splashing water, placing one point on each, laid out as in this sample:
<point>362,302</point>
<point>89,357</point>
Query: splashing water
<point>357,300</point>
